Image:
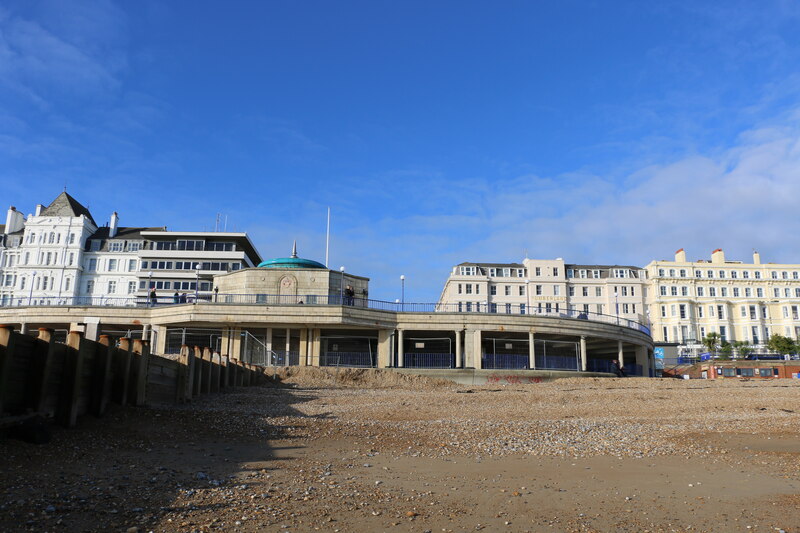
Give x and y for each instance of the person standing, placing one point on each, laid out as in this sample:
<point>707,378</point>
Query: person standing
<point>153,296</point>
<point>176,298</point>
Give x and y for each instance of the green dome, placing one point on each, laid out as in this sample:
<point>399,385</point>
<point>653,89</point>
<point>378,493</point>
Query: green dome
<point>291,262</point>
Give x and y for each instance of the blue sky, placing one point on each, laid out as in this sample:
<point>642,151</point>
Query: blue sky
<point>438,132</point>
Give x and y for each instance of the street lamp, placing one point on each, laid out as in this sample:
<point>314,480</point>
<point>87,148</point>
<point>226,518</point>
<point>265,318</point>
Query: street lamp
<point>341,284</point>
<point>402,292</point>
<point>527,297</point>
<point>196,281</point>
<point>30,294</point>
<point>616,304</point>
<point>149,288</point>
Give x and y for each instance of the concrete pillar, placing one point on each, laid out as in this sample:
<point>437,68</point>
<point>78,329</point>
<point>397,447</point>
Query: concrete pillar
<point>269,340</point>
<point>459,349</point>
<point>302,358</point>
<point>316,347</point>
<point>288,341</point>
<point>584,356</point>
<point>236,343</point>
<point>472,348</point>
<point>643,360</point>
<point>160,345</point>
<point>24,328</point>
<point>90,331</point>
<point>400,348</point>
<point>145,331</point>
<point>384,347</point>
<point>620,354</point>
<point>531,350</point>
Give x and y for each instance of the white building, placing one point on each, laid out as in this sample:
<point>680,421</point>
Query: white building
<point>547,286</point>
<point>60,255</point>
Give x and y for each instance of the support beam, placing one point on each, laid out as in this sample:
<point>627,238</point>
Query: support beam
<point>531,350</point>
<point>584,356</point>
<point>459,349</point>
<point>620,354</point>
<point>384,347</point>
<point>301,358</point>
<point>643,360</point>
<point>400,349</point>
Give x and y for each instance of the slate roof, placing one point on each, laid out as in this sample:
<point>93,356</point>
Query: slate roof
<point>66,206</point>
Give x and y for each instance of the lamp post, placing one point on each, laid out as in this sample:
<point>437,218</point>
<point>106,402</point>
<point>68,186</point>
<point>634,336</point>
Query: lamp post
<point>616,304</point>
<point>196,281</point>
<point>30,293</point>
<point>341,284</point>
<point>527,297</point>
<point>402,292</point>
<point>150,301</point>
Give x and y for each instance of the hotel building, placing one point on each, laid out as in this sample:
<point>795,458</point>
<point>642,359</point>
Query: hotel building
<point>740,301</point>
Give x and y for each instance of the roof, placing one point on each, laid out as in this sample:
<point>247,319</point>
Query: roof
<point>131,234</point>
<point>160,234</point>
<point>66,206</point>
<point>292,262</point>
<point>493,265</point>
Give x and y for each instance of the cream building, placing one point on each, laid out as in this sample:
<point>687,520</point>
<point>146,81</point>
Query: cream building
<point>547,287</point>
<point>739,301</point>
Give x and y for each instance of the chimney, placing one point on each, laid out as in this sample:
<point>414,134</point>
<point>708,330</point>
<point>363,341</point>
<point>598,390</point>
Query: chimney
<point>680,256</point>
<point>15,220</point>
<point>756,258</point>
<point>39,208</point>
<point>718,256</point>
<point>112,229</point>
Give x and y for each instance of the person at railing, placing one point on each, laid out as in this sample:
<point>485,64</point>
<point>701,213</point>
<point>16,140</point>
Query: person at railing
<point>583,316</point>
<point>349,295</point>
<point>153,296</point>
<point>618,369</point>
<point>183,298</point>
<point>176,298</point>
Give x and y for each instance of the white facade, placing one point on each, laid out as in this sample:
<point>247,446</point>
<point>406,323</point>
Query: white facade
<point>547,286</point>
<point>59,255</point>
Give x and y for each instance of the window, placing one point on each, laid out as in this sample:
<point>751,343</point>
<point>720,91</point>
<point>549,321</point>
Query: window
<point>734,274</point>
<point>672,309</point>
<point>784,275</point>
<point>765,372</point>
<point>663,311</point>
<point>683,272</point>
<point>493,290</point>
<point>728,372</point>
<point>699,311</point>
<point>131,265</point>
<point>115,246</point>
<point>131,287</point>
<point>746,274</point>
<point>625,309</point>
<point>71,239</point>
<point>712,291</point>
<point>22,283</point>
<point>710,274</point>
<point>112,265</point>
<point>743,310</point>
<point>94,245</point>
<point>774,274</point>
<point>556,290</point>
<point>112,287</point>
<point>219,246</point>
<point>682,311</point>
<point>684,291</point>
<point>745,372</point>
<point>195,245</point>
<point>748,292</point>
<point>507,290</point>
<point>698,274</point>
<point>723,291</point>
<point>508,309</point>
<point>582,274</point>
<point>92,267</point>
<point>625,291</point>
<point>89,287</point>
<point>661,272</point>
<point>492,272</point>
<point>538,290</point>
<point>585,291</point>
<point>663,290</point>
<point>506,272</point>
<point>760,292</point>
<point>464,270</point>
<point>700,291</point>
<point>468,286</point>
<point>721,312</point>
<point>134,246</point>
<point>753,315</point>
<point>520,273</point>
<point>673,291</point>
<point>776,292</point>
<point>555,271</point>
<point>459,285</point>
<point>721,274</point>
<point>672,272</point>
<point>598,291</point>
<point>787,292</point>
<point>736,292</point>
<point>67,284</point>
<point>758,275</point>
<point>538,271</point>
<point>571,291</point>
<point>596,274</point>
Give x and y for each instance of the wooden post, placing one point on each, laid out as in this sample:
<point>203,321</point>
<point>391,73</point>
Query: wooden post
<point>206,383</point>
<point>101,377</point>
<point>122,371</point>
<point>184,392</point>
<point>139,382</point>
<point>6,354</point>
<point>215,372</point>
<point>198,372</point>
<point>67,412</point>
<point>223,371</point>
<point>43,364</point>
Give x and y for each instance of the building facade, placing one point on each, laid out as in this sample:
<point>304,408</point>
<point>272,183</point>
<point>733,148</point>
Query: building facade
<point>740,301</point>
<point>60,255</point>
<point>548,286</point>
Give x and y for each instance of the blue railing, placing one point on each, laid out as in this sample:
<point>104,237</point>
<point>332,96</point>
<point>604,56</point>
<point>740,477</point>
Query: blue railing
<point>348,359</point>
<point>429,360</point>
<point>324,299</point>
<point>506,361</point>
<point>556,362</point>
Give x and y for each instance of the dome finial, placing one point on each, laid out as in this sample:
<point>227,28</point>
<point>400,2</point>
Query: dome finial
<point>294,249</point>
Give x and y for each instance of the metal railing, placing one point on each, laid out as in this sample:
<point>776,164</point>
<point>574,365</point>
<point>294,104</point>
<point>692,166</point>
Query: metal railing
<point>348,359</point>
<point>506,361</point>
<point>327,300</point>
<point>429,360</point>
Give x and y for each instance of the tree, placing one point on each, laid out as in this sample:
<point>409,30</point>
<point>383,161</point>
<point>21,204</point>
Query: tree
<point>782,345</point>
<point>742,348</point>
<point>725,350</point>
<point>711,341</point>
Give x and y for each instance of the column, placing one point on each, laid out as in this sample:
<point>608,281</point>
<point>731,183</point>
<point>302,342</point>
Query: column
<point>384,347</point>
<point>24,328</point>
<point>160,346</point>
<point>473,348</point>
<point>584,357</point>
<point>302,358</point>
<point>620,354</point>
<point>531,350</point>
<point>315,347</point>
<point>236,343</point>
<point>400,349</point>
<point>288,341</point>
<point>458,349</point>
<point>270,359</point>
<point>145,331</point>
<point>643,360</point>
